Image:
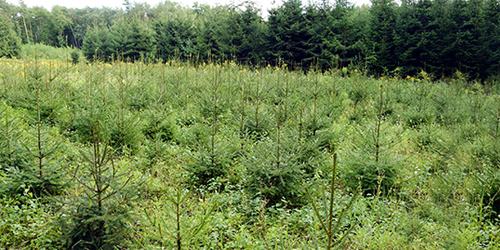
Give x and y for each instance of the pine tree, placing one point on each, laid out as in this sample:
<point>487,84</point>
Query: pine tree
<point>288,33</point>
<point>371,165</point>
<point>437,48</point>
<point>141,41</point>
<point>491,36</point>
<point>96,219</point>
<point>97,44</point>
<point>175,32</point>
<point>408,36</point>
<point>133,38</point>
<point>346,36</point>
<point>469,54</point>
<point>251,30</point>
<point>317,20</point>
<point>382,34</point>
<point>10,43</point>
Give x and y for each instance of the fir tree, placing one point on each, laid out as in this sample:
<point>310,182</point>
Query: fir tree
<point>97,44</point>
<point>409,28</point>
<point>439,40</point>
<point>175,33</point>
<point>491,36</point>
<point>288,33</point>
<point>10,43</point>
<point>250,33</point>
<point>97,218</point>
<point>346,35</point>
<point>382,34</point>
<point>133,38</point>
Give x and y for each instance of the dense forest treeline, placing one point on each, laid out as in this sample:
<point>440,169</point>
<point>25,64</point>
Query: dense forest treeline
<point>438,36</point>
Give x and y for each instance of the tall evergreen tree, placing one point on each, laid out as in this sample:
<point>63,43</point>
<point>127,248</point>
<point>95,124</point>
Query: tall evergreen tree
<point>209,25</point>
<point>175,31</point>
<point>382,34</point>
<point>249,37</point>
<point>316,19</point>
<point>10,44</point>
<point>83,20</point>
<point>408,36</point>
<point>98,44</point>
<point>349,40</point>
<point>288,33</point>
<point>491,37</point>
<point>465,14</point>
<point>132,38</point>
<point>438,48</point>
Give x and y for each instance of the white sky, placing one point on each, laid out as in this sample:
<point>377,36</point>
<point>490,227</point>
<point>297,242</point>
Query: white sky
<point>48,4</point>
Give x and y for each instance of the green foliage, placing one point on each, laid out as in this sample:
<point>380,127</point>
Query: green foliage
<point>427,151</point>
<point>175,32</point>
<point>211,163</point>
<point>10,44</point>
<point>42,171</point>
<point>10,137</point>
<point>328,225</point>
<point>97,218</point>
<point>382,26</point>
<point>133,39</point>
<point>98,44</point>
<point>159,127</point>
<point>45,52</point>
<point>129,38</point>
<point>75,57</point>
<point>124,133</point>
<point>173,227</point>
<point>28,224</point>
<point>288,34</point>
<point>438,36</point>
<point>370,164</point>
<point>274,172</point>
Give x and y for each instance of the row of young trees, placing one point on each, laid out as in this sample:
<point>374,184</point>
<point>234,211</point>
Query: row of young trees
<point>438,36</point>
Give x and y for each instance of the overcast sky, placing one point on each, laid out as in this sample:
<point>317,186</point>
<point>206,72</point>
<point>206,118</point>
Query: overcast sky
<point>263,4</point>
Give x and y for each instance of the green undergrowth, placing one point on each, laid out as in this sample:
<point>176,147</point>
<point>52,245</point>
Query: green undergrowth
<point>218,156</point>
<point>48,52</point>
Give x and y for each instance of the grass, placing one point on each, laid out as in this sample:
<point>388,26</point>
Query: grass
<point>274,133</point>
<point>47,52</point>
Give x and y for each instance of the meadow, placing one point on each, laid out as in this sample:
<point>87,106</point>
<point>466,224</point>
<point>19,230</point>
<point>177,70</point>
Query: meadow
<point>184,155</point>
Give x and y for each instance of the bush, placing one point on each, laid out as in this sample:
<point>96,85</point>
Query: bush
<point>372,177</point>
<point>75,57</point>
<point>27,224</point>
<point>97,218</point>
<point>159,128</point>
<point>275,172</point>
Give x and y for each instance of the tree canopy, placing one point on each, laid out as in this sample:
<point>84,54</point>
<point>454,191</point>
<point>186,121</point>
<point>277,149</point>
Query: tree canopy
<point>437,36</point>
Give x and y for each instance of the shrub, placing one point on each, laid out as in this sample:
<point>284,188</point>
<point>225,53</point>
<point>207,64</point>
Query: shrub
<point>97,218</point>
<point>75,57</point>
